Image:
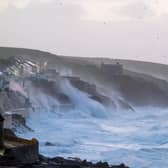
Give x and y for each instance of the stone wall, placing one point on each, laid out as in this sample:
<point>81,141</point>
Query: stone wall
<point>27,151</point>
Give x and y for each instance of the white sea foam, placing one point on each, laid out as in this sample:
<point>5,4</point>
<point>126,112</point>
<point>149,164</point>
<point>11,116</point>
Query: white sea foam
<point>89,131</point>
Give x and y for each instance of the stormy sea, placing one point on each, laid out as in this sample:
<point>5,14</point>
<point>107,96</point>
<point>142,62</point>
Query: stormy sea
<point>90,131</point>
<point>93,109</point>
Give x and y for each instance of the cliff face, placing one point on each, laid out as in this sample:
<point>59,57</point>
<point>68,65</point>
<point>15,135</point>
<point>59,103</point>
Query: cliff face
<point>141,92</point>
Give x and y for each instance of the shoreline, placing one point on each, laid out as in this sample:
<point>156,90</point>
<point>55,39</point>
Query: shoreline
<point>58,162</point>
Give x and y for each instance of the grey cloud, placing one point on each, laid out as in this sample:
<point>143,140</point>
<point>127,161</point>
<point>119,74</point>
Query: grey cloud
<point>137,10</point>
<point>4,4</point>
<point>57,27</point>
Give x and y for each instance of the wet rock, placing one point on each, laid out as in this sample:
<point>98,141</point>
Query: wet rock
<point>19,124</point>
<point>49,144</point>
<point>60,162</point>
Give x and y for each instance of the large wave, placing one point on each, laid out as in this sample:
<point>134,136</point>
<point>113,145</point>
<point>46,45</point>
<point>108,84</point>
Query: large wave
<point>91,131</point>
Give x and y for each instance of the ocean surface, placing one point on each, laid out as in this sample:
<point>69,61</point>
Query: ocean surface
<point>139,139</point>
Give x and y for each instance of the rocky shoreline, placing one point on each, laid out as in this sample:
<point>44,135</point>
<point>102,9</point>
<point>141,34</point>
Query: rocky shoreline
<point>59,162</point>
<point>9,161</point>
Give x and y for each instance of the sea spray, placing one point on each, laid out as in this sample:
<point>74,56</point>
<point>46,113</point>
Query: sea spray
<point>92,132</point>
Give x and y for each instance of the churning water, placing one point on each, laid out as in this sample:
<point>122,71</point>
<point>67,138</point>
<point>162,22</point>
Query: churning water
<point>139,139</point>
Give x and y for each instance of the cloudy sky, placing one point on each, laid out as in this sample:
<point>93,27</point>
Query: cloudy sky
<point>127,29</point>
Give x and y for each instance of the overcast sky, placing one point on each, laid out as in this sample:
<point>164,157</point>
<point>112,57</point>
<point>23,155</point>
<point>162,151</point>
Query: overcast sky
<point>127,29</point>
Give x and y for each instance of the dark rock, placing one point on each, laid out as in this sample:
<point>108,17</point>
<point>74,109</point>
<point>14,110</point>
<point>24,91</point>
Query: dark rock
<point>102,165</point>
<point>19,123</point>
<point>43,158</point>
<point>49,144</point>
<point>120,166</point>
<point>9,132</point>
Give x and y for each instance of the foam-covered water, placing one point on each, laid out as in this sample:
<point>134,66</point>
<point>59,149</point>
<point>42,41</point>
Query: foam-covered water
<point>89,131</point>
<point>138,139</point>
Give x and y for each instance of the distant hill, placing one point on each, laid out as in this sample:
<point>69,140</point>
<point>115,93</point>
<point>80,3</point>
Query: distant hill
<point>149,68</point>
<point>152,69</point>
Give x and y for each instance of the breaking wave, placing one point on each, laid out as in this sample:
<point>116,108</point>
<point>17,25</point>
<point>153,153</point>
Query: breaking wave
<point>90,131</point>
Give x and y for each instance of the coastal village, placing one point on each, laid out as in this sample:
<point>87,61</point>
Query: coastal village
<point>21,69</point>
<point>19,150</point>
